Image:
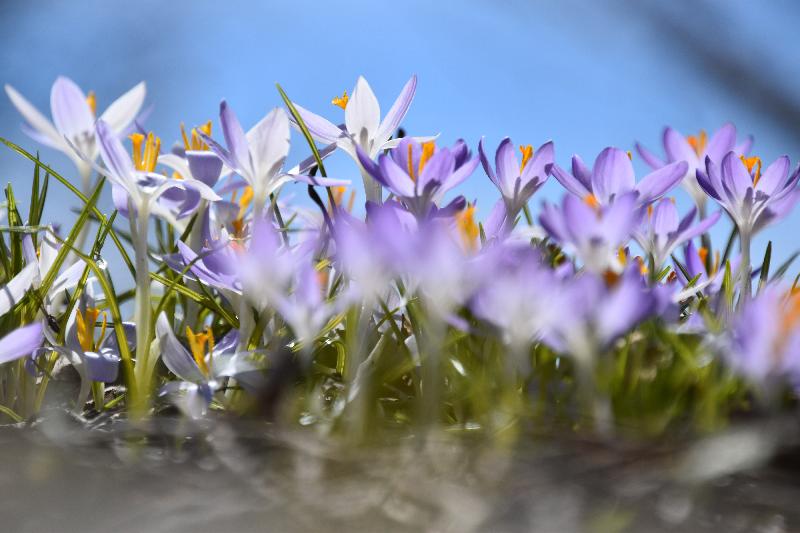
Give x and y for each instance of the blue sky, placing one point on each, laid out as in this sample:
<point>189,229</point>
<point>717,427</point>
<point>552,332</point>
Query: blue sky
<point>584,74</point>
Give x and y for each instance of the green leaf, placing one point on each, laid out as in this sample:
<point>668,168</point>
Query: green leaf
<point>762,281</point>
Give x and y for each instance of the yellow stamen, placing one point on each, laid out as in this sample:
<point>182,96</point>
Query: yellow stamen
<point>703,253</point>
<point>468,228</point>
<point>196,143</point>
<point>341,101</point>
<point>91,99</point>
<point>410,162</point>
<point>591,201</point>
<point>84,328</point>
<point>428,149</point>
<point>750,163</point>
<point>244,202</point>
<point>649,211</point>
<point>622,256</point>
<point>527,153</point>
<point>197,344</point>
<point>630,155</point>
<point>147,159</point>
<point>698,142</point>
<point>643,270</point>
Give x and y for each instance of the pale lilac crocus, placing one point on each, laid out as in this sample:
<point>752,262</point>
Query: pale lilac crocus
<point>613,176</point>
<point>763,343</point>
<point>420,174</point>
<point>694,149</point>
<point>516,181</point>
<point>752,198</point>
<point>73,124</point>
<point>662,231</point>
<point>363,127</point>
<point>202,369</point>
<point>594,232</point>
<point>258,155</point>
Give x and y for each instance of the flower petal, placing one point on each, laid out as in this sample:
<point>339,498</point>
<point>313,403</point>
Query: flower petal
<point>397,112</point>
<point>122,112</point>
<point>38,122</point>
<point>13,291</point>
<point>71,112</point>
<point>175,356</point>
<point>612,174</point>
<point>21,342</point>
<point>269,145</point>
<point>362,114</point>
<point>235,139</point>
<point>660,181</point>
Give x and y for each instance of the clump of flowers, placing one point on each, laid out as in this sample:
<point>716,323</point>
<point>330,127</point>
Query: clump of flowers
<point>415,307</point>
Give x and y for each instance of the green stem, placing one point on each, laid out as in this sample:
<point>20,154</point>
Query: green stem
<point>142,311</point>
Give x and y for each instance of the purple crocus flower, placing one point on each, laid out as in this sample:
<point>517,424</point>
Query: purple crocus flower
<point>694,149</point>
<point>595,232</point>
<point>763,343</point>
<point>420,174</point>
<point>202,368</point>
<point>137,178</point>
<point>363,127</point>
<point>694,263</point>
<point>662,231</point>
<point>752,199</point>
<point>74,115</point>
<point>517,182</point>
<point>613,176</point>
<point>595,313</point>
<point>258,156</point>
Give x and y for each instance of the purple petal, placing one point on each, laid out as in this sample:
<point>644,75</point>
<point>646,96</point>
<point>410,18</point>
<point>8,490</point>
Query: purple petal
<point>773,178</point>
<point>660,181</point>
<point>21,342</point>
<point>71,112</point>
<point>205,166</point>
<point>319,127</point>
<point>612,174</point>
<point>735,176</point>
<point>114,156</point>
<point>398,110</point>
<point>569,182</point>
<point>722,142</point>
<point>487,167</point>
<point>319,180</point>
<point>507,165</point>
<point>649,157</point>
<point>678,148</point>
<point>102,366</point>
<point>582,172</point>
<point>235,138</point>
<point>175,356</point>
<point>395,178</point>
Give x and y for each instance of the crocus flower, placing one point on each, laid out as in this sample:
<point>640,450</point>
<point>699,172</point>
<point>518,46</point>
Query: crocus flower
<point>201,369</point>
<point>612,176</point>
<point>662,231</point>
<point>21,342</point>
<point>694,149</point>
<point>258,156</point>
<point>516,181</point>
<point>363,127</point>
<point>13,291</point>
<point>694,262</point>
<point>764,341</point>
<point>752,199</point>
<point>595,232</point>
<point>596,312</point>
<point>74,116</point>
<point>420,174</point>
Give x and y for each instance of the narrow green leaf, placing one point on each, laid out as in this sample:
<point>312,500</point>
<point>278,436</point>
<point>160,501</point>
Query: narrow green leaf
<point>762,281</point>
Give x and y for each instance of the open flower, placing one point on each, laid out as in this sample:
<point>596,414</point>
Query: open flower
<point>420,174</point>
<point>694,149</point>
<point>613,176</point>
<point>258,156</point>
<point>201,369</point>
<point>751,197</point>
<point>595,232</point>
<point>363,127</point>
<point>662,231</point>
<point>517,181</point>
<point>74,115</point>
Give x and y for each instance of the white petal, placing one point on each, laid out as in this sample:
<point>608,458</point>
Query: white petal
<point>269,145</point>
<point>362,114</point>
<point>35,119</point>
<point>15,289</point>
<point>124,109</point>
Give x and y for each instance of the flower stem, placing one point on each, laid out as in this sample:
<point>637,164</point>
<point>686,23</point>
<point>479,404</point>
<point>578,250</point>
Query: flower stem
<point>744,268</point>
<point>142,310</point>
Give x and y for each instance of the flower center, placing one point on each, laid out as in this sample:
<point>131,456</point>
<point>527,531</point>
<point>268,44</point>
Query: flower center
<point>591,201</point>
<point>85,323</point>
<point>428,149</point>
<point>698,142</point>
<point>338,197</point>
<point>527,153</point>
<point>752,163</point>
<point>145,160</point>
<point>195,142</point>
<point>91,99</point>
<point>341,101</point>
<point>197,343</point>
